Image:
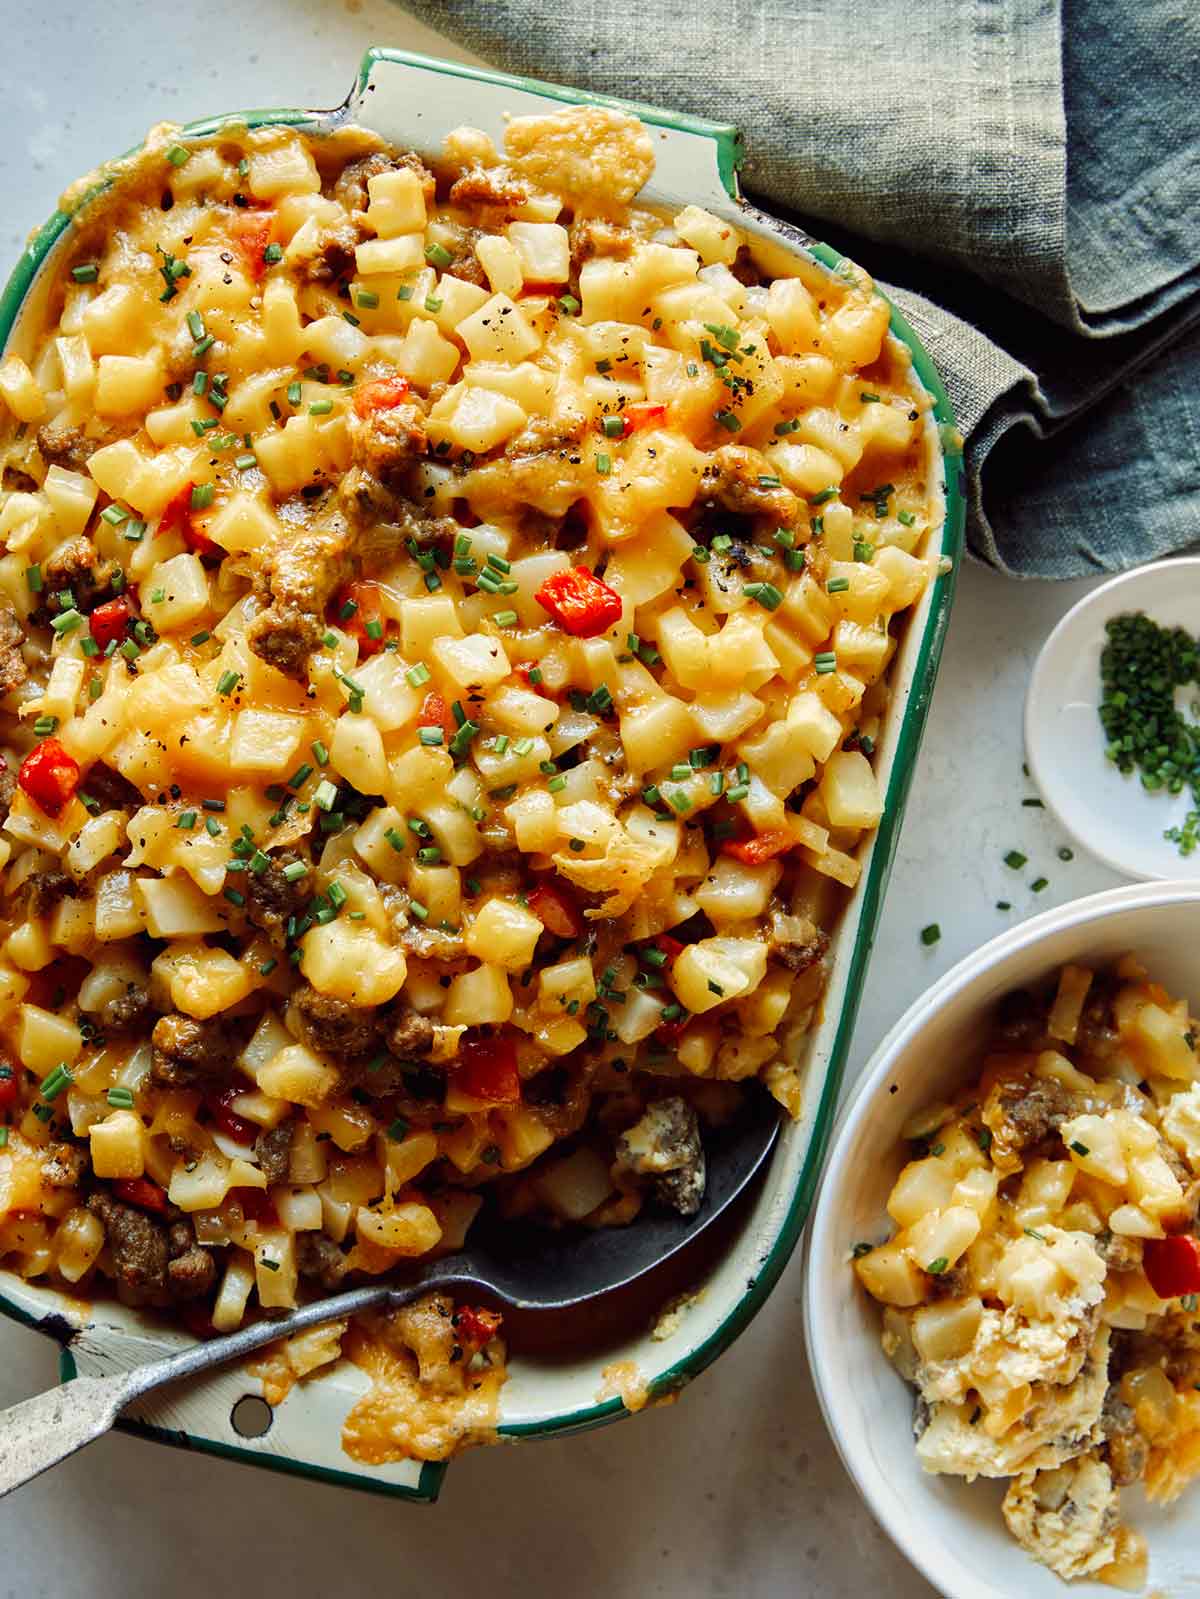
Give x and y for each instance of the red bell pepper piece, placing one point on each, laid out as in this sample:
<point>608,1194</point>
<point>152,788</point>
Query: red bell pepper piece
<point>257,1206</point>
<point>1172,1265</point>
<point>580,602</point>
<point>177,515</point>
<point>110,621</point>
<point>380,395</point>
<point>436,713</point>
<point>474,1327</point>
<point>486,1068</point>
<point>644,415</point>
<point>220,1108</point>
<point>671,947</point>
<point>556,910</point>
<point>252,234</point>
<point>140,1191</point>
<point>10,1088</point>
<point>49,776</point>
<point>367,598</point>
<point>762,847</point>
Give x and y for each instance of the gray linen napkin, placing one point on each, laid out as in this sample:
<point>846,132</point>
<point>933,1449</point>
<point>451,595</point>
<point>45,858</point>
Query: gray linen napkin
<point>1024,175</point>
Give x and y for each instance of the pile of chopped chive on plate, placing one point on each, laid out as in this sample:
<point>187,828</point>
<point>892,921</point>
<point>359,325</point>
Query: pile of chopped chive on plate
<point>1141,667</point>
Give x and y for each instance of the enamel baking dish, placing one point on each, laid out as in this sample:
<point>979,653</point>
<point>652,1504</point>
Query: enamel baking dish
<point>413,102</point>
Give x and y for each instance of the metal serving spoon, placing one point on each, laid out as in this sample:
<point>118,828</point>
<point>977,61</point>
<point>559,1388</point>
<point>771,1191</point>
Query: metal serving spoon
<point>524,1268</point>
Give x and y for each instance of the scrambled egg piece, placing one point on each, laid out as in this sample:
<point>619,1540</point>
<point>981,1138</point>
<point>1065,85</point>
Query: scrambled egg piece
<point>1067,1517</point>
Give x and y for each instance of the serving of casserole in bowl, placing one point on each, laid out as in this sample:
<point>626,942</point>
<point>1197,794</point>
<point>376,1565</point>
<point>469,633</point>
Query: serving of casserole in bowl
<point>1003,1291</point>
<point>471,594</point>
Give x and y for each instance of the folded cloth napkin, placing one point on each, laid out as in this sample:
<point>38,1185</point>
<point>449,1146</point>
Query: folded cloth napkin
<point>1024,178</point>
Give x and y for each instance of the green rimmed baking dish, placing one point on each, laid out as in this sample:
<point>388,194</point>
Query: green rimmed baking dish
<point>413,102</point>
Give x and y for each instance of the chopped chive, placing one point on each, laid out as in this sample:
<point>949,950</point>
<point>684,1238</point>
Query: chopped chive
<point>825,662</point>
<point>837,585</point>
<point>228,681</point>
<point>504,618</point>
<point>728,421</point>
<point>366,299</point>
<point>67,622</point>
<point>320,753</point>
<point>320,408</point>
<point>930,934</point>
<point>825,494</point>
<point>420,911</point>
<point>86,272</point>
<point>187,820</point>
<point>120,1098</point>
<point>1015,859</point>
<point>431,735</point>
<point>1039,883</point>
<point>300,775</point>
<point>203,495</point>
<point>437,255</point>
<point>294,871</point>
<point>569,305</point>
<point>33,579</point>
<point>603,465</point>
<point>767,595</point>
<point>417,675</point>
<point>177,155</point>
<point>337,895</point>
<point>202,637</point>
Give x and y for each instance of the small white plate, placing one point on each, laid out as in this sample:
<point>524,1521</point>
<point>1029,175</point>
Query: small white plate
<point>1110,815</point>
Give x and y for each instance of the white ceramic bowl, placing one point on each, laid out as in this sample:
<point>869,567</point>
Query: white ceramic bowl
<point>951,1531</point>
<point>1107,813</point>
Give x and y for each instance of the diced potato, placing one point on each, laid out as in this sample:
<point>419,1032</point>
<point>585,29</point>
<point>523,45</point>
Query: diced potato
<point>20,390</point>
<point>77,1243</point>
<point>71,497</point>
<point>946,1330</point>
<point>477,660</point>
<point>943,1235</point>
<point>504,933</point>
<point>356,751</point>
<point>716,241</point>
<point>234,1292</point>
<point>176,908</point>
<point>397,203</point>
<point>127,384</point>
<point>407,1229</point>
<point>498,331</point>
<point>275,1273</point>
<point>1094,1147</point>
<point>118,1145</point>
<point>44,1040</point>
<point>544,250</point>
<point>849,791</point>
<point>502,263</point>
<point>295,1073</point>
<point>889,1275</point>
<point>922,1187</point>
<point>401,253</point>
<point>478,997</point>
<point>355,965</point>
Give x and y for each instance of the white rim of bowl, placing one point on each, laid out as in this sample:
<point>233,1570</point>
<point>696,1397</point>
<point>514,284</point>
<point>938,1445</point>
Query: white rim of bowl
<point>1037,689</point>
<point>819,1290</point>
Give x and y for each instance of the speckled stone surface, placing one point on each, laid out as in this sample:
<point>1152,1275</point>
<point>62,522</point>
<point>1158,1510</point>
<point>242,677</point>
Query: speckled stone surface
<point>736,1490</point>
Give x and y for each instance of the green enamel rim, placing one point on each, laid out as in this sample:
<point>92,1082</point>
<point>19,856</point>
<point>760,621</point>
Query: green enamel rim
<point>729,154</point>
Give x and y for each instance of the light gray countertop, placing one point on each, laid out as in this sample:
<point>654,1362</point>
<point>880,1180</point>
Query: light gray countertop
<point>736,1490</point>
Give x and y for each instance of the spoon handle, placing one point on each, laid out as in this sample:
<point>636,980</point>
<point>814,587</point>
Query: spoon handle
<point>39,1432</point>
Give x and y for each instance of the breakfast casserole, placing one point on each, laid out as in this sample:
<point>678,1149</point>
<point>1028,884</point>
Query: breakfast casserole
<point>445,617</point>
<point>1042,1292</point>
